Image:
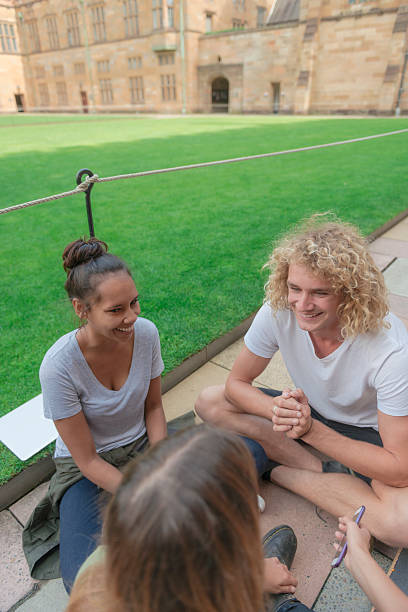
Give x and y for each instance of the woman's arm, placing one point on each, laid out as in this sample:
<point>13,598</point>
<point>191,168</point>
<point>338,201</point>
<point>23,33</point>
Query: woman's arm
<point>379,588</point>
<point>77,437</point>
<point>156,425</point>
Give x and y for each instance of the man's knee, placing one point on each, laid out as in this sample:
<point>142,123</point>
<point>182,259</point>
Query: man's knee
<point>391,523</point>
<point>207,405</point>
<point>391,529</point>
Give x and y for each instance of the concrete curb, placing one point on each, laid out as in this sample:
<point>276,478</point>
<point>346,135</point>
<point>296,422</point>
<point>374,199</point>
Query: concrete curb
<point>35,474</point>
<point>387,226</point>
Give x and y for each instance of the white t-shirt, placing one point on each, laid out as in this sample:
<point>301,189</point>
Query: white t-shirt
<point>361,375</point>
<point>115,418</point>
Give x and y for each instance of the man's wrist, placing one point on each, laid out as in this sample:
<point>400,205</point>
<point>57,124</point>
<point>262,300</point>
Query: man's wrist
<point>307,433</point>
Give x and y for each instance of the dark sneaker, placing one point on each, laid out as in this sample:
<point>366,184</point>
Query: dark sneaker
<point>335,467</point>
<point>279,542</point>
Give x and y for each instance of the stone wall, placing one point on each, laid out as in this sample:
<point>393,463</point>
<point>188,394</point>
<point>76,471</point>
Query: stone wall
<point>338,57</point>
<point>331,56</point>
<point>11,69</point>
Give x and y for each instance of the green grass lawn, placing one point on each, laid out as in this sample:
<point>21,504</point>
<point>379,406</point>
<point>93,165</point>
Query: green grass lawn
<point>195,240</point>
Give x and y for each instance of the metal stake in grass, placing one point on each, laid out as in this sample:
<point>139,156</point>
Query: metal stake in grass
<point>79,176</point>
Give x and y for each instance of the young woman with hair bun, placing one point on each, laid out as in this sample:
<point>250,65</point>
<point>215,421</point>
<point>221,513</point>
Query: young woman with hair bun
<point>101,387</point>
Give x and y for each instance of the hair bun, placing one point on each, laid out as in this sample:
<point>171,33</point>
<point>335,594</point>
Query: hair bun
<point>82,251</point>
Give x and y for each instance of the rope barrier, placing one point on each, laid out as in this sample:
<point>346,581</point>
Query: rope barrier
<point>96,179</point>
<point>79,189</point>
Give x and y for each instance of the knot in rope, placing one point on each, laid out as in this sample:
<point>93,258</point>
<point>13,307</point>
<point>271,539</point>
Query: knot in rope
<point>83,186</point>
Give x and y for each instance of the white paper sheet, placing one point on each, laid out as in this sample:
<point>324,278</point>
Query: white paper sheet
<point>25,430</point>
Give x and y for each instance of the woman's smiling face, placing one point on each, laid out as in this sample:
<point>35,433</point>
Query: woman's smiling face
<point>116,309</point>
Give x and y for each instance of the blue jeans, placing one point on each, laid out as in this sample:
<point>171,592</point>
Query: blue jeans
<point>365,434</point>
<point>80,527</point>
<point>293,605</point>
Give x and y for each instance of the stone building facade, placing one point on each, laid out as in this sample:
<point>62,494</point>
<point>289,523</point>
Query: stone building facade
<point>171,56</point>
<point>12,81</point>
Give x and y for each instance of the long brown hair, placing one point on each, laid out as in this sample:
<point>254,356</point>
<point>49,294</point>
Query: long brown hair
<point>182,532</point>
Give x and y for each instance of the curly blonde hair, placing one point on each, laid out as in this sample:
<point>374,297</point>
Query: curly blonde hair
<point>336,252</point>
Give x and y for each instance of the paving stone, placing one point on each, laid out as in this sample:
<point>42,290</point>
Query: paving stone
<point>341,592</point>
<point>275,376</point>
<point>399,231</point>
<point>399,305</point>
<point>389,246</point>
<point>227,357</point>
<point>396,277</point>
<point>382,260</point>
<point>23,508</point>
<point>182,398</point>
<point>15,579</point>
<point>315,534</point>
<point>51,597</point>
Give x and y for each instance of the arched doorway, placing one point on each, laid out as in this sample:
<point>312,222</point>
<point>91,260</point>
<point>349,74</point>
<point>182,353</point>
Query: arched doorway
<point>220,95</point>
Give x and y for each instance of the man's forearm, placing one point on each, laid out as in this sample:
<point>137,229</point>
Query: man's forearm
<point>249,399</point>
<point>368,459</point>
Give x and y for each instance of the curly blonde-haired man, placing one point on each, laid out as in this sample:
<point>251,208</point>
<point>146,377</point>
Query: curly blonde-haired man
<point>326,311</point>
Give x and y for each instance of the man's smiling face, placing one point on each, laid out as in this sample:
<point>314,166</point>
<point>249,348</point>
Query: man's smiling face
<point>313,302</point>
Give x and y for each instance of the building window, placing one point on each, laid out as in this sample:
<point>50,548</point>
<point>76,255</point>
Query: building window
<point>239,4</point>
<point>73,34</point>
<point>168,86</point>
<point>208,22</point>
<point>103,66</point>
<point>40,72</point>
<point>166,58</point>
<point>98,23</point>
<point>260,16</point>
<point>58,70</point>
<point>33,36</point>
<point>136,89</point>
<point>131,18</point>
<point>157,9</point>
<point>62,96</point>
<point>79,68</point>
<point>44,95</point>
<point>105,87</point>
<point>170,13</point>
<point>134,62</point>
<point>8,43</point>
<point>238,24</point>
<point>52,31</point>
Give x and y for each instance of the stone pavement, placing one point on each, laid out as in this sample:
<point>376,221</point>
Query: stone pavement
<point>339,594</point>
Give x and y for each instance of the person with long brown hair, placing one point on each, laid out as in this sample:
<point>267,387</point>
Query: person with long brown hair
<point>182,535</point>
<point>101,387</point>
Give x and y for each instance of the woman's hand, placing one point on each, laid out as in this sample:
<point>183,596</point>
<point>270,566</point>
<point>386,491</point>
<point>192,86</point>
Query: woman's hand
<point>277,577</point>
<point>358,540</point>
<point>379,588</point>
<point>291,413</point>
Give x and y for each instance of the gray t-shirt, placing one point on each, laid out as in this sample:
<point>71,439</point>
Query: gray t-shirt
<point>115,418</point>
